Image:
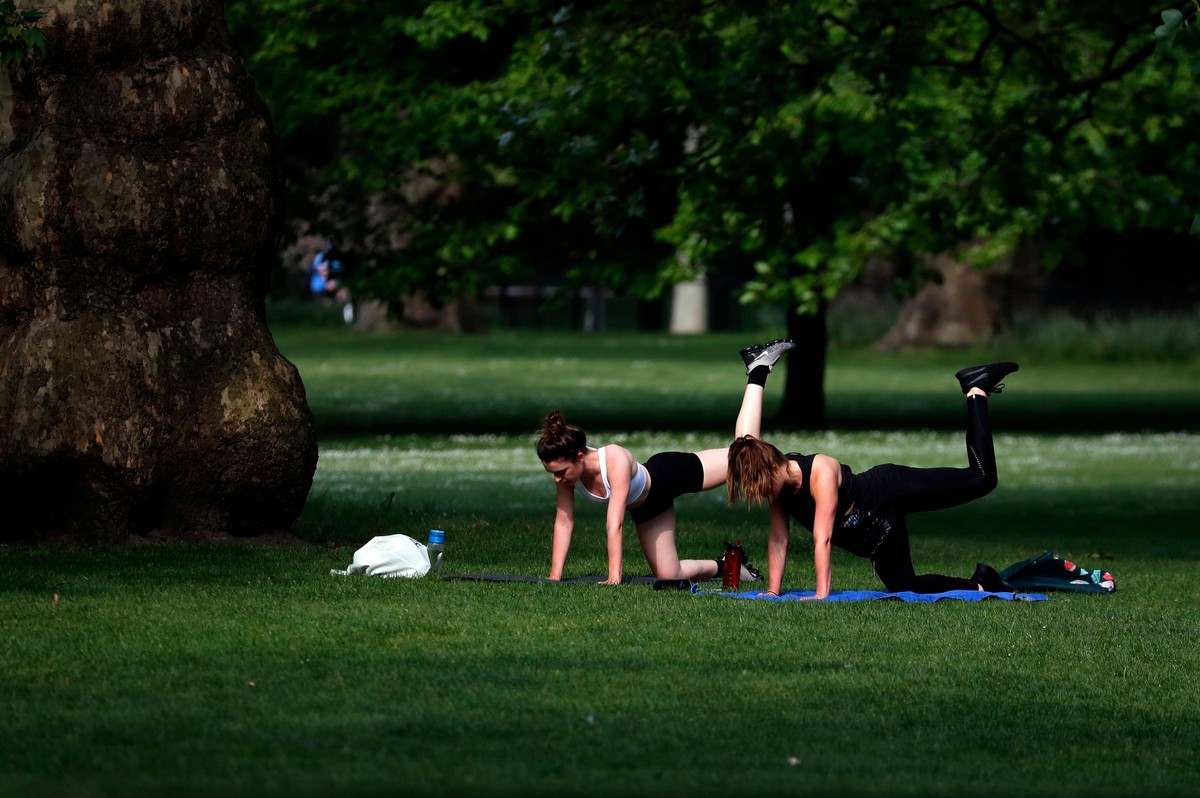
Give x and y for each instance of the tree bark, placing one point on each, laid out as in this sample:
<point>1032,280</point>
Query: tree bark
<point>963,308</point>
<point>141,393</point>
<point>803,404</point>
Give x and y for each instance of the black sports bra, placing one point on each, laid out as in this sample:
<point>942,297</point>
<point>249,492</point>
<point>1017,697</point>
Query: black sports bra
<point>800,504</point>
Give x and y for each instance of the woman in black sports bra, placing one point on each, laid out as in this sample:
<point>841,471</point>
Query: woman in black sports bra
<point>866,513</point>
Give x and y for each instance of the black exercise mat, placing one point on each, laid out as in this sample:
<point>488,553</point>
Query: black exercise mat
<point>659,584</point>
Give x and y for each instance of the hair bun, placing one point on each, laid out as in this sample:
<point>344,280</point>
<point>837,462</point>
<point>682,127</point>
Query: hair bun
<point>554,425</point>
<point>559,440</point>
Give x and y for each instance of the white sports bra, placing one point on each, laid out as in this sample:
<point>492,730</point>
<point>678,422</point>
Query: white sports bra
<point>637,483</point>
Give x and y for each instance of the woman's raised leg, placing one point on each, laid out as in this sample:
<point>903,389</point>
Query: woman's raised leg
<point>760,360</point>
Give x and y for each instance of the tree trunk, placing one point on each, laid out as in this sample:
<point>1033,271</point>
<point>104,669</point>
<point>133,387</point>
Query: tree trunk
<point>963,308</point>
<point>804,390</point>
<point>141,393</point>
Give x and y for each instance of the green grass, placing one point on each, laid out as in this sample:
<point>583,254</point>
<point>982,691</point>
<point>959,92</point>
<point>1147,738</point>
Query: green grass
<point>505,382</point>
<point>214,671</point>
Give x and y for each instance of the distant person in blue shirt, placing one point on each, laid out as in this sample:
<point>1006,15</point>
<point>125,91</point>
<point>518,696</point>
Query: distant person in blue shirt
<point>324,278</point>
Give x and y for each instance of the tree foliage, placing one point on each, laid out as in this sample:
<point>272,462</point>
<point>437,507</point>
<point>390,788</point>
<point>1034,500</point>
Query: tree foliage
<point>18,35</point>
<point>633,144</point>
<point>1173,23</point>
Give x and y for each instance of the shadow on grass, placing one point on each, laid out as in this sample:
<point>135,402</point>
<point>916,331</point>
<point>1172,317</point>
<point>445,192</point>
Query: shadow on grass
<point>1046,414</point>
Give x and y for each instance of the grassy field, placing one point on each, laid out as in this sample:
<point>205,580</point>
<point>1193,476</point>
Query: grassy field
<point>207,670</point>
<point>506,381</point>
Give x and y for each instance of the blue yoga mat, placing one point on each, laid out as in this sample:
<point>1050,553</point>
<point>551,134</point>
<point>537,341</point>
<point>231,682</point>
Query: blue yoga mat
<point>874,595</point>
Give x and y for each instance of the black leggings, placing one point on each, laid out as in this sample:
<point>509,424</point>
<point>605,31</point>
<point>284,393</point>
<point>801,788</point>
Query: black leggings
<point>885,494</point>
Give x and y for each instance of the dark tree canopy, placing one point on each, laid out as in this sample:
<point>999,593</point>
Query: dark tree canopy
<point>634,144</point>
<point>792,137</point>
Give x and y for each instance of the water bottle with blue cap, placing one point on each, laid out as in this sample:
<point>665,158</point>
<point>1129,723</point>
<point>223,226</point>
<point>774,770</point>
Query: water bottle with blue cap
<point>437,550</point>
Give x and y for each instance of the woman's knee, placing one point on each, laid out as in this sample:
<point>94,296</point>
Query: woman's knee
<point>898,584</point>
<point>984,483</point>
<point>658,543</point>
<point>984,469</point>
<point>896,581</point>
<point>990,484</point>
<point>668,571</point>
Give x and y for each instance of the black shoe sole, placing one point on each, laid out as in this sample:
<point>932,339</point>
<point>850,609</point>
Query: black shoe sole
<point>986,377</point>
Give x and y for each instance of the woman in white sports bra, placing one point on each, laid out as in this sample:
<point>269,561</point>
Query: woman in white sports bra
<point>612,475</point>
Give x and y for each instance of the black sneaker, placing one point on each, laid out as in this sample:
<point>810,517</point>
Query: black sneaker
<point>986,577</point>
<point>765,354</point>
<point>986,377</point>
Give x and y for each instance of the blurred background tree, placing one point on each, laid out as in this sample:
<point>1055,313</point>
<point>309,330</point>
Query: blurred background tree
<point>782,147</point>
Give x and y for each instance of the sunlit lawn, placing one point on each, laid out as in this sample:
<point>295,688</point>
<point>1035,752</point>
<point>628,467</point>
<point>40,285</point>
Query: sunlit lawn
<point>506,382</point>
<point>189,670</point>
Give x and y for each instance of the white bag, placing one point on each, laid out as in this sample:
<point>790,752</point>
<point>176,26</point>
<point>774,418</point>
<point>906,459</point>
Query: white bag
<point>389,555</point>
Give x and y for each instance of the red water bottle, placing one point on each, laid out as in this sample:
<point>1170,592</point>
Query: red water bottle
<point>731,570</point>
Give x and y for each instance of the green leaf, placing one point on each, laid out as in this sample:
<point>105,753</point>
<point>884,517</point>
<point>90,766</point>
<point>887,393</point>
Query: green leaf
<point>34,38</point>
<point>1195,226</point>
<point>1166,32</point>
